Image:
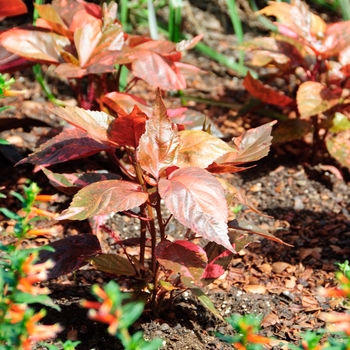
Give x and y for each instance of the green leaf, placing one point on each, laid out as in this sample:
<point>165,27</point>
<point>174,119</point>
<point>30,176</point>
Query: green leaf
<point>339,148</point>
<point>341,122</point>
<point>25,298</point>
<point>9,214</point>
<point>113,264</point>
<point>204,299</point>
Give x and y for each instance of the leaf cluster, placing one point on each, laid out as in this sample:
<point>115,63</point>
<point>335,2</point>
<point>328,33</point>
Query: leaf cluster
<point>311,57</point>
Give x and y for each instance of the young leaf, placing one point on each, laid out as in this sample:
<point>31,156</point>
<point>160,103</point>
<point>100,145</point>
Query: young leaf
<point>251,146</point>
<point>340,122</point>
<point>339,148</point>
<point>103,198</point>
<point>94,123</point>
<point>113,264</point>
<point>68,145</point>
<point>70,253</point>
<point>183,257</point>
<point>265,93</point>
<point>123,103</point>
<point>158,145</point>
<point>127,130</point>
<point>197,200</point>
<point>72,183</point>
<point>314,98</point>
<point>35,46</point>
<point>199,148</point>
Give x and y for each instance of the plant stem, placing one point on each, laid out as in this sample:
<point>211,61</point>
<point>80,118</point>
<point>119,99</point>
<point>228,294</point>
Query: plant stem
<point>315,140</point>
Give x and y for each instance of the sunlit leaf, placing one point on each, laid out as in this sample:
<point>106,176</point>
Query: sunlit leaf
<point>95,123</point>
<point>339,147</point>
<point>68,145</point>
<point>340,122</point>
<point>158,146</point>
<point>314,98</point>
<point>197,200</point>
<point>123,103</point>
<point>113,264</point>
<point>291,129</point>
<point>183,257</point>
<point>70,253</point>
<point>72,183</point>
<point>265,93</point>
<point>251,146</point>
<point>34,45</point>
<point>103,198</point>
<point>127,130</point>
<point>199,148</point>
<point>337,38</point>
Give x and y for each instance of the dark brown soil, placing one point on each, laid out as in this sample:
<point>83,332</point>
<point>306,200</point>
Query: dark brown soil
<point>309,205</point>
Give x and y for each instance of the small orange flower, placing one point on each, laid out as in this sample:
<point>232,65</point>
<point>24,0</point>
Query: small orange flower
<point>42,212</point>
<point>47,198</point>
<point>258,339</point>
<point>33,274</point>
<point>52,231</point>
<point>16,312</point>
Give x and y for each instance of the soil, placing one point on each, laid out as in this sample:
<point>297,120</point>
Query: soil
<point>307,206</point>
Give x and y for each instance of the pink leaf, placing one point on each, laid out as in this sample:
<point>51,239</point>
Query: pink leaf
<point>251,146</point>
<point>158,145</point>
<point>103,198</point>
<point>197,200</point>
<point>94,123</point>
<point>183,257</point>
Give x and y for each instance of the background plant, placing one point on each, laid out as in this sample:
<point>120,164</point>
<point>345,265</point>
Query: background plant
<point>311,58</point>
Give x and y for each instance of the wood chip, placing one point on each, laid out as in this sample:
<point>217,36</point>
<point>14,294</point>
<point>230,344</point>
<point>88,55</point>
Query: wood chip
<point>279,266</point>
<point>255,288</point>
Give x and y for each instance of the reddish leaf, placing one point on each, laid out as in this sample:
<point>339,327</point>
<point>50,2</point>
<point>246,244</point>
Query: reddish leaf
<point>103,198</point>
<point>113,264</point>
<point>13,8</point>
<point>158,145</point>
<point>189,44</point>
<point>157,71</point>
<point>339,147</point>
<point>248,227</point>
<point>123,103</point>
<point>68,145</point>
<point>197,200</point>
<point>94,123</point>
<point>127,130</point>
<point>199,148</point>
<point>217,266</point>
<point>183,257</point>
<point>251,146</point>
<point>72,183</point>
<point>70,253</point>
<point>337,38</point>
<point>35,46</point>
<point>215,168</point>
<point>314,98</point>
<point>289,130</point>
<point>265,93</point>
